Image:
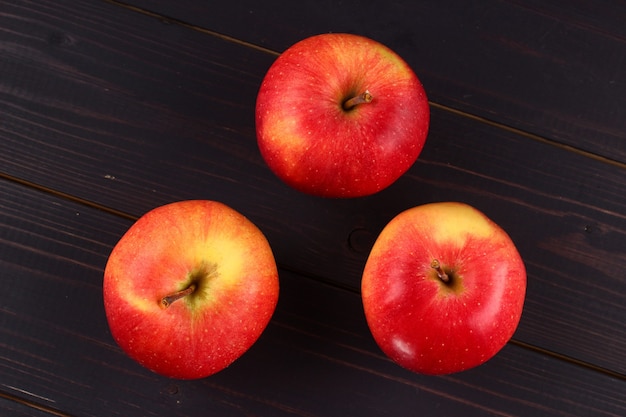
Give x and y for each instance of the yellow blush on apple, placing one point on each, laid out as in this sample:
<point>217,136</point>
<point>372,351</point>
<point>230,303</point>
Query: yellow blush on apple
<point>189,288</point>
<point>443,288</point>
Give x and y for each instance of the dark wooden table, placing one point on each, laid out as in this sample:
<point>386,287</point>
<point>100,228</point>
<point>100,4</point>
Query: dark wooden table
<point>109,109</point>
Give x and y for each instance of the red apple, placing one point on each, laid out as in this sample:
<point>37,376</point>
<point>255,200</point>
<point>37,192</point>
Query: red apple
<point>340,115</point>
<point>189,288</point>
<point>443,288</point>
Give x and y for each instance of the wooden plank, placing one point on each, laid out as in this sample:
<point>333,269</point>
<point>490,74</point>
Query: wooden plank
<point>316,358</point>
<point>171,118</point>
<point>557,70</point>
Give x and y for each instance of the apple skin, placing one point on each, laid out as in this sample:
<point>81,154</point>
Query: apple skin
<point>167,249</point>
<point>432,327</point>
<point>316,146</point>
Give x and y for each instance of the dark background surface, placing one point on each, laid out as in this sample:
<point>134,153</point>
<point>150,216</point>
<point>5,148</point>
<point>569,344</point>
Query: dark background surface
<point>109,109</point>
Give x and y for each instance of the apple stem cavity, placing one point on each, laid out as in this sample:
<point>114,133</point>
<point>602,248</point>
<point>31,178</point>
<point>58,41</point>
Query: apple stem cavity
<point>363,98</point>
<point>440,272</point>
<point>166,301</point>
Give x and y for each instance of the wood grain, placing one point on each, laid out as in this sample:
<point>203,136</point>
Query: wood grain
<point>17,407</point>
<point>129,113</point>
<point>316,358</point>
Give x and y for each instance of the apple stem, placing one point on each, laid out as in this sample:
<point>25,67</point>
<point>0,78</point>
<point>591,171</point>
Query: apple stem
<point>440,272</point>
<point>166,301</point>
<point>362,98</point>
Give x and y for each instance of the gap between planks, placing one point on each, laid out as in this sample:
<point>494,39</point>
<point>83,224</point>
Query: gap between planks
<point>29,403</point>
